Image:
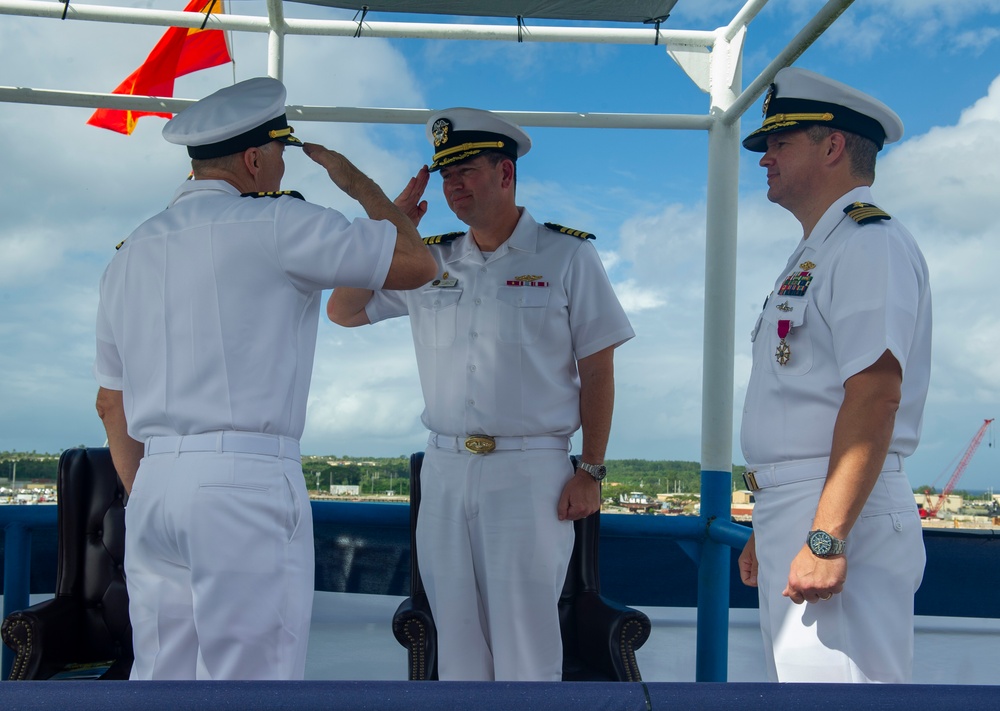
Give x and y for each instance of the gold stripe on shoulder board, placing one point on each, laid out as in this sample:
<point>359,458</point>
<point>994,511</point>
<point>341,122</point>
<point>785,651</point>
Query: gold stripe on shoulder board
<point>570,231</point>
<point>446,238</point>
<point>864,213</point>
<point>275,194</point>
<point>119,245</point>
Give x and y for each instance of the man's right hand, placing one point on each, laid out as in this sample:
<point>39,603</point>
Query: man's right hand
<point>342,172</point>
<point>409,200</point>
<point>748,563</point>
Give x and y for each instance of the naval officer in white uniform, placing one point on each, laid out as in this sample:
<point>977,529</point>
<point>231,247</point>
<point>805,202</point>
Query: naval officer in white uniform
<point>515,341</point>
<point>206,333</point>
<point>841,363</point>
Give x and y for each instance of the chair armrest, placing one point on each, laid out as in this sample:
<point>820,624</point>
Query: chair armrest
<point>42,637</point>
<point>413,627</point>
<point>608,634</point>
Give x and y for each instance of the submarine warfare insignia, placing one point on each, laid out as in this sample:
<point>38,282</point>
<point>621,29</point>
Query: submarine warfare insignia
<point>783,306</point>
<point>275,194</point>
<point>864,213</point>
<point>784,352</point>
<point>569,231</point>
<point>446,238</point>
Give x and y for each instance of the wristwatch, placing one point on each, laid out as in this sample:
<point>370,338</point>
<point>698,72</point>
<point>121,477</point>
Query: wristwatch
<point>598,471</point>
<point>823,545</point>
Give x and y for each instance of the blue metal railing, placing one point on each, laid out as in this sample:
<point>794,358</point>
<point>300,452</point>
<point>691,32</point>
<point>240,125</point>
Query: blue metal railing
<point>707,532</point>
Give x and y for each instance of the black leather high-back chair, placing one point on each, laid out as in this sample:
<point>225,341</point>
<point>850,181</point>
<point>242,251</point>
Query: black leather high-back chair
<point>86,624</point>
<point>599,636</point>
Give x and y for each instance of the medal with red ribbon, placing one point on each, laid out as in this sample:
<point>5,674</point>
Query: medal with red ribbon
<point>783,352</point>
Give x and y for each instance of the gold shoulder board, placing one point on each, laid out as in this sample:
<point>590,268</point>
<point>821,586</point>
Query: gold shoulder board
<point>446,238</point>
<point>119,245</point>
<point>275,194</point>
<point>864,213</point>
<point>569,231</point>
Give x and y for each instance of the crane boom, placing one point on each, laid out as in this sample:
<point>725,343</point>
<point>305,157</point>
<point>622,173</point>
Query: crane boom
<point>970,450</point>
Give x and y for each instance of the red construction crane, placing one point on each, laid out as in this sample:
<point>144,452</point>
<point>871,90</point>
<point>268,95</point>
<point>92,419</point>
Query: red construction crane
<point>931,510</point>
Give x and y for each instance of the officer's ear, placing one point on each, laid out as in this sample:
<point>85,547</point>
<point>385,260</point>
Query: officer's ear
<point>251,160</point>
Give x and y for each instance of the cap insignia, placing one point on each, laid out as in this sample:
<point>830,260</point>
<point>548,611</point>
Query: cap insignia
<point>569,231</point>
<point>440,131</point>
<point>275,194</point>
<point>446,238</point>
<point>864,213</point>
<point>767,99</point>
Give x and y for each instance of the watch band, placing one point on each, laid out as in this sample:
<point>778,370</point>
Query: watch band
<point>823,545</point>
<point>598,471</point>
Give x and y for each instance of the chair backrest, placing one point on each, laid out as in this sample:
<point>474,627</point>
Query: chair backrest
<point>91,548</point>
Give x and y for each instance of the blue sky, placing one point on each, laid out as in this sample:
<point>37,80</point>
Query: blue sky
<point>73,191</point>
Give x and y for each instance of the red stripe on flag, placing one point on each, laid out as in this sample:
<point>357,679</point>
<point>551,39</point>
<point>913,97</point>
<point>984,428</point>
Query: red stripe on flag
<point>180,51</point>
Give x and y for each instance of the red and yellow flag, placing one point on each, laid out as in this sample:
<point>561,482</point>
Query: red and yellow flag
<point>180,51</point>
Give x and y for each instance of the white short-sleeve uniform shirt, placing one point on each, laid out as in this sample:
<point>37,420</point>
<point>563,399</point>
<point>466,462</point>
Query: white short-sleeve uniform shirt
<point>847,294</point>
<point>497,336</point>
<point>209,310</point>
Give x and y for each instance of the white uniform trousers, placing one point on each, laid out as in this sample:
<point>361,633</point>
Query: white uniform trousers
<point>865,633</point>
<point>493,557</point>
<point>220,566</point>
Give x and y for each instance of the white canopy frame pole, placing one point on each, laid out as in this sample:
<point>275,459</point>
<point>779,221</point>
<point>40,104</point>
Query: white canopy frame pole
<point>276,39</point>
<point>725,77</point>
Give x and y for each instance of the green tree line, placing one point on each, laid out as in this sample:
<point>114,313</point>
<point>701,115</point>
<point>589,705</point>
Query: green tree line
<point>375,475</point>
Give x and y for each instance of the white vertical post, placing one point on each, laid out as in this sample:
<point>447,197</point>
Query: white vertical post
<point>717,376</point>
<point>276,39</point>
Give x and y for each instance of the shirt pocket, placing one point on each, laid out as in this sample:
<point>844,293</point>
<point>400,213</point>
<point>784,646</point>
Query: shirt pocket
<point>436,317</point>
<point>798,345</point>
<point>521,313</point>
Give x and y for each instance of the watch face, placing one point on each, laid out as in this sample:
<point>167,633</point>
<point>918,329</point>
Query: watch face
<point>820,543</point>
<point>602,471</point>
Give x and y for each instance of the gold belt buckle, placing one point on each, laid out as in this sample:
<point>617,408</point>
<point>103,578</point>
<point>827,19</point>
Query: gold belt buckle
<point>480,444</point>
<point>750,479</point>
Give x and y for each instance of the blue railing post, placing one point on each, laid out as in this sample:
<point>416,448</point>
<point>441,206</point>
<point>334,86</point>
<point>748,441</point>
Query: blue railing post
<point>16,577</point>
<point>711,661</point>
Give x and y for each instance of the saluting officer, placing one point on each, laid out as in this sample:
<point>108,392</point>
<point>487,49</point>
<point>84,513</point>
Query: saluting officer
<point>515,341</point>
<point>841,363</point>
<point>206,333</point>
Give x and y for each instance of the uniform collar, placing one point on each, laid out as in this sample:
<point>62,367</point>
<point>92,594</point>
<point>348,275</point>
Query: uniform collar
<point>192,186</point>
<point>835,214</point>
<point>524,238</point>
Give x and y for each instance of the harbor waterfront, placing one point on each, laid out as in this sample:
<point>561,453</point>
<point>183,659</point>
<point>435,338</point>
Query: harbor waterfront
<point>385,480</point>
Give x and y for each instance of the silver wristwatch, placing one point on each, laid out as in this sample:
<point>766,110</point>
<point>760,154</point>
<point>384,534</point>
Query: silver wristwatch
<point>823,545</point>
<point>598,471</point>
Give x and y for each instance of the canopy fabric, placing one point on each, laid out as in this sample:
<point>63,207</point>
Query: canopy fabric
<point>605,10</point>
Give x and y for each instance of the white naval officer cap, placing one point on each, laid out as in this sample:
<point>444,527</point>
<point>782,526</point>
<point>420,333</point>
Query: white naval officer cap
<point>245,115</point>
<point>800,98</point>
<point>459,134</point>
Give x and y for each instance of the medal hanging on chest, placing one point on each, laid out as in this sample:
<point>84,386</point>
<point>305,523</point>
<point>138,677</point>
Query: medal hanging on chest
<point>784,352</point>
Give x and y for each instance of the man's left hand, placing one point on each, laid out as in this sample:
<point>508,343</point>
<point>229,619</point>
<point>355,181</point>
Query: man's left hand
<point>815,579</point>
<point>580,497</point>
